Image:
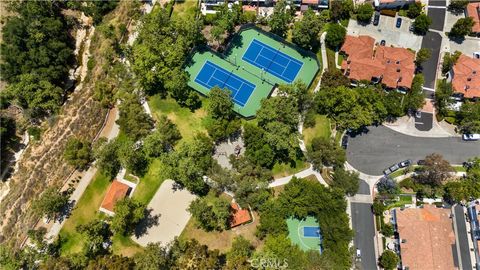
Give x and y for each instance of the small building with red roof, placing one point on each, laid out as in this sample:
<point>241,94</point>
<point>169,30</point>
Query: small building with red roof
<point>465,76</point>
<point>473,11</point>
<point>118,190</point>
<point>390,66</point>
<point>239,216</point>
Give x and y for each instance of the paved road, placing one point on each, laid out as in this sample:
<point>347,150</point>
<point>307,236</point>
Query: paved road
<point>462,237</point>
<point>432,41</point>
<point>364,229</point>
<point>425,122</point>
<point>381,147</point>
<point>363,188</point>
<point>437,3</point>
<point>438,18</point>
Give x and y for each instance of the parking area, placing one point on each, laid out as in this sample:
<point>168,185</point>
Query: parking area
<point>424,122</point>
<point>386,30</point>
<point>467,46</point>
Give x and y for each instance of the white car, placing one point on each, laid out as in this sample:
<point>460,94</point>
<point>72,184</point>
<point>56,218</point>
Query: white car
<point>471,137</point>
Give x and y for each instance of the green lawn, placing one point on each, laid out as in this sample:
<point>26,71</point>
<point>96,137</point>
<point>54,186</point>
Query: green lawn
<point>86,210</point>
<point>321,129</point>
<point>340,59</point>
<point>188,123</point>
<point>403,200</point>
<point>331,59</point>
<point>285,169</point>
<point>185,8</point>
<point>150,182</point>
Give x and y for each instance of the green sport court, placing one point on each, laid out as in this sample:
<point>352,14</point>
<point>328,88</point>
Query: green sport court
<point>253,64</point>
<point>305,233</point>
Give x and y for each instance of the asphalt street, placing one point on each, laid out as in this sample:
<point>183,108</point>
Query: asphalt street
<point>438,18</point>
<point>431,41</point>
<point>363,188</point>
<point>381,147</point>
<point>437,3</point>
<point>462,237</point>
<point>364,230</point>
<point>425,122</point>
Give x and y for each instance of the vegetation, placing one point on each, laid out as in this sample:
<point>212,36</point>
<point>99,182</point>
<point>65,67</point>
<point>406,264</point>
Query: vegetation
<point>442,96</point>
<point>163,139</point>
<point>469,117</point>
<point>435,171</point>
<point>340,10</point>
<point>50,203</point>
<point>333,77</point>
<point>128,213</point>
<point>387,186</point>
<point>306,31</point>
<point>389,260</point>
<point>465,189</point>
<point>325,152</point>
<point>422,23</point>
<point>422,55</point>
<point>223,122</point>
<point>414,10</point>
<point>461,28</point>
<point>134,121</point>
<point>415,97</point>
<point>449,60</point>
<point>458,6</point>
<point>211,213</point>
<point>347,181</point>
<point>364,12</point>
<point>335,35</point>
<point>280,19</point>
<point>78,153</point>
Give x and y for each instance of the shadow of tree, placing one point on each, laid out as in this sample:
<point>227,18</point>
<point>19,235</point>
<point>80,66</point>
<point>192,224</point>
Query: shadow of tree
<point>146,223</point>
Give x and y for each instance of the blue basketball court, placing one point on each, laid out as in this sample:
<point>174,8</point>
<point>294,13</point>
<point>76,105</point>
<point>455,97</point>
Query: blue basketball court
<point>311,231</point>
<point>212,75</point>
<point>272,61</point>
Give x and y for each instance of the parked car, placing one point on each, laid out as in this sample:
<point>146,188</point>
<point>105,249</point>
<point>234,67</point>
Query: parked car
<point>391,169</point>
<point>411,28</point>
<point>382,42</point>
<point>405,163</point>
<point>399,22</point>
<point>345,141</point>
<point>421,162</point>
<point>418,114</point>
<point>376,18</point>
<point>471,137</point>
<point>359,253</point>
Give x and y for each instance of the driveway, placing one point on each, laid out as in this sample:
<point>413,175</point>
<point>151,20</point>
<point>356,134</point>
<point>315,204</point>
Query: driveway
<point>438,17</point>
<point>432,41</point>
<point>461,237</point>
<point>425,122</point>
<point>386,30</point>
<point>381,147</point>
<point>168,215</point>
<point>364,230</point>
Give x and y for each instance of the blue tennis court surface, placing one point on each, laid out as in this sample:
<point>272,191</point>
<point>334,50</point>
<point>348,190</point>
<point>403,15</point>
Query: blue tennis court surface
<point>311,231</point>
<point>212,75</point>
<point>272,61</point>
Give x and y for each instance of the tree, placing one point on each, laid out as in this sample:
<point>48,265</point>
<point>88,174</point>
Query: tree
<point>387,185</point>
<point>378,207</point>
<point>78,153</point>
<point>415,98</point>
<point>389,260</point>
<point>300,92</point>
<point>106,154</point>
<point>414,10</point>
<point>365,12</point>
<point>305,32</point>
<point>458,6</point>
<point>340,10</point>
<point>461,28</point>
<point>281,17</point>
<point>220,108</point>
<point>134,121</point>
<point>50,203</point>
<point>449,60</point>
<point>335,35</point>
<point>387,230</point>
<point>435,171</point>
<point>132,157</point>
<point>422,55</point>
<point>97,9</point>
<point>290,255</point>
<point>163,139</point>
<point>345,180</point>
<point>190,255</point>
<point>39,97</point>
<point>211,215</point>
<point>422,23</point>
<point>153,257</point>
<point>111,262</point>
<point>469,117</point>
<point>442,96</point>
<point>334,78</point>
<point>239,254</point>
<point>128,213</point>
<point>96,233</point>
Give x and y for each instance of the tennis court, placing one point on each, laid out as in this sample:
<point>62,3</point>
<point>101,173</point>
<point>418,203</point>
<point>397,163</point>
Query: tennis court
<point>305,233</point>
<point>212,75</point>
<point>272,61</point>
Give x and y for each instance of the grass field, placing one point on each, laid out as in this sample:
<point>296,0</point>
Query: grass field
<point>85,211</point>
<point>150,182</point>
<point>188,123</point>
<point>185,8</point>
<point>285,169</point>
<point>331,59</point>
<point>321,129</point>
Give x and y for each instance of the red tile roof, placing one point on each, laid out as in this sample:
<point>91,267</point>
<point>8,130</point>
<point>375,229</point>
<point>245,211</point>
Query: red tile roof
<point>116,192</point>
<point>395,65</point>
<point>466,76</point>
<point>239,216</point>
<point>427,238</point>
<point>473,10</point>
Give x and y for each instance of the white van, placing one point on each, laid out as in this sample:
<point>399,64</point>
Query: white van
<point>471,137</point>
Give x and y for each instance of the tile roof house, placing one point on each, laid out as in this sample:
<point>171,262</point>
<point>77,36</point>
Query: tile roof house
<point>117,191</point>
<point>465,76</point>
<point>239,216</point>
<point>391,4</point>
<point>473,10</point>
<point>427,239</point>
<point>393,67</point>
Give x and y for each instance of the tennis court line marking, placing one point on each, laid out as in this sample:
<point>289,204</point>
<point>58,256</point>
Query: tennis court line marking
<point>219,69</point>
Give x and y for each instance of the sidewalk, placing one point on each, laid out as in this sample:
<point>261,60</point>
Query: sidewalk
<point>406,125</point>
<point>284,180</point>
<point>324,60</point>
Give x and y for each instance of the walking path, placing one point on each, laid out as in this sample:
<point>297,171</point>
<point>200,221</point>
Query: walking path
<point>324,60</point>
<point>307,172</point>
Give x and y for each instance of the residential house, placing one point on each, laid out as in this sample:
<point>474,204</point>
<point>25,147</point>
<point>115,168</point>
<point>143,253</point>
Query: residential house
<point>473,10</point>
<point>118,190</point>
<point>392,4</point>
<point>392,67</point>
<point>465,76</point>
<point>238,216</point>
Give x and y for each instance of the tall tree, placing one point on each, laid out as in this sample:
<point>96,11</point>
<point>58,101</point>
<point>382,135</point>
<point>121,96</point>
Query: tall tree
<point>324,152</point>
<point>106,154</point>
<point>414,10</point>
<point>211,215</point>
<point>334,78</point>
<point>449,60</point>
<point>190,255</point>
<point>134,121</point>
<point>305,32</point>
<point>281,18</point>
<point>96,233</point>
<point>423,55</point>
<point>341,9</point>
<point>469,117</point>
<point>335,35</point>
<point>345,180</point>
<point>461,28</point>
<point>389,260</point>
<point>238,257</point>
<point>458,6</point>
<point>442,96</point>
<point>50,203</point>
<point>435,171</point>
<point>422,23</point>
<point>78,153</point>
<point>415,98</point>
<point>153,257</point>
<point>128,213</point>
<point>163,139</point>
<point>364,12</point>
